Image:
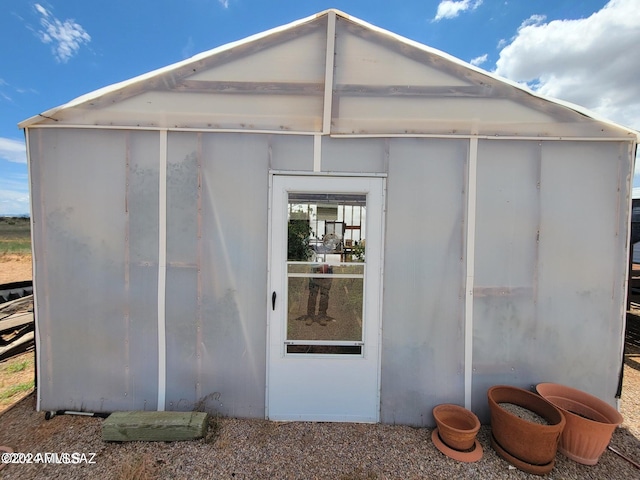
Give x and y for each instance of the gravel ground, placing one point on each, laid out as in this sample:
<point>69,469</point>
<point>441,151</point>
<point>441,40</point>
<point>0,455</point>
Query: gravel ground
<point>256,449</point>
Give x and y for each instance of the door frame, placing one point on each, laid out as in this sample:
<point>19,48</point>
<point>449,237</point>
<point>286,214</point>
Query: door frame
<point>375,323</point>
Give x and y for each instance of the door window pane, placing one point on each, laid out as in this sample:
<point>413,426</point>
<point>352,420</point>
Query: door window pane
<point>325,271</point>
<point>325,308</point>
<point>326,226</point>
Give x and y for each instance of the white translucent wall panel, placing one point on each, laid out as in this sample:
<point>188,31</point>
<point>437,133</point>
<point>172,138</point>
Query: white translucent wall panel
<point>582,262</point>
<point>362,155</point>
<point>235,272</point>
<point>296,112</point>
<point>216,312</point>
<point>182,306</point>
<point>505,327</point>
<point>141,282</point>
<point>451,115</point>
<point>291,152</point>
<point>184,346</point>
<point>366,59</point>
<point>382,85</point>
<point>302,60</point>
<point>422,341</point>
<point>182,200</point>
<point>79,179</point>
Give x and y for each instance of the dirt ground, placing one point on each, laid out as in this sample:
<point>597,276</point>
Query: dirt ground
<point>16,379</point>
<point>15,268</point>
<point>167,460</point>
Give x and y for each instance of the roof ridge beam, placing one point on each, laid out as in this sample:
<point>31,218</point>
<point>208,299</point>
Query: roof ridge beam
<point>329,72</point>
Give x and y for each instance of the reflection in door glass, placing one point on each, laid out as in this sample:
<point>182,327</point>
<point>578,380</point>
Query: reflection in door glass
<point>326,251</point>
<point>327,227</point>
<point>325,309</point>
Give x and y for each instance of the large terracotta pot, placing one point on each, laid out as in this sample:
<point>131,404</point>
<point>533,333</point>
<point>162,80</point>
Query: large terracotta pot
<point>457,426</point>
<point>529,446</point>
<point>590,422</point>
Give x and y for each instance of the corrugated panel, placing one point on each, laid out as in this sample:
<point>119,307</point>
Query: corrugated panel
<point>183,326</point>
<point>384,85</point>
<point>354,155</point>
<point>274,83</point>
<point>182,200</point>
<point>80,267</point>
<point>291,152</point>
<point>214,110</point>
<point>216,308</point>
<point>141,283</point>
<point>549,279</point>
<point>422,343</point>
<point>506,256</point>
<point>365,58</point>
<point>235,272</point>
<point>582,265</point>
<point>301,59</point>
<point>183,254</point>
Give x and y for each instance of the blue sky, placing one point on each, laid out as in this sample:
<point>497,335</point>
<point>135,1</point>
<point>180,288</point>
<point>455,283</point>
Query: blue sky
<point>583,51</point>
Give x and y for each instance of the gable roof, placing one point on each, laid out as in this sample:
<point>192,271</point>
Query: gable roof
<point>332,74</point>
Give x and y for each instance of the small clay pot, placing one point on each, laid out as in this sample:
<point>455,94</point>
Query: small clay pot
<point>457,426</point>
<point>533,445</point>
<point>590,422</point>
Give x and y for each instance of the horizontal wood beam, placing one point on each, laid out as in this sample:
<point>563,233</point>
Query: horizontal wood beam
<point>171,77</point>
<point>414,91</point>
<point>245,88</point>
<point>355,90</point>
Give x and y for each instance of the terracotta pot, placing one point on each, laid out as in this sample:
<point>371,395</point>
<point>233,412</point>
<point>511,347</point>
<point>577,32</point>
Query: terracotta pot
<point>457,426</point>
<point>583,439</point>
<point>527,445</point>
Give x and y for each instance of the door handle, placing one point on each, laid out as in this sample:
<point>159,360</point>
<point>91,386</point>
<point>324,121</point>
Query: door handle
<point>273,301</point>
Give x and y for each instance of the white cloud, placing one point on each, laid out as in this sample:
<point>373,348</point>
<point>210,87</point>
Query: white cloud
<point>451,8</point>
<point>13,203</point>
<point>224,3</point>
<point>533,20</point>
<point>188,49</point>
<point>3,94</point>
<point>588,61</point>
<point>7,90</point>
<point>66,37</point>
<point>41,10</point>
<point>479,60</point>
<point>13,150</point>
<point>14,184</point>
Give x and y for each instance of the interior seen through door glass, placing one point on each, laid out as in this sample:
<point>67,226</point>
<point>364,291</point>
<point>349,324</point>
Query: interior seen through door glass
<point>326,250</point>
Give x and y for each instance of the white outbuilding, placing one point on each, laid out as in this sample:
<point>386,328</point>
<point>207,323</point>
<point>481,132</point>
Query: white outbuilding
<point>328,222</point>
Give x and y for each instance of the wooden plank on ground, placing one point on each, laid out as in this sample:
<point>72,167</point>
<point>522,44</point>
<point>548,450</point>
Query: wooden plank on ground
<point>154,426</point>
<point>17,346</point>
<point>14,321</point>
<point>12,306</point>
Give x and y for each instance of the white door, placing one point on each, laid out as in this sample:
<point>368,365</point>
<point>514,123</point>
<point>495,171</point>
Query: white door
<point>325,299</point>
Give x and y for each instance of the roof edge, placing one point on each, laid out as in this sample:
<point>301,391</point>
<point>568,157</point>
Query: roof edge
<point>110,88</point>
<point>145,76</point>
<point>426,48</point>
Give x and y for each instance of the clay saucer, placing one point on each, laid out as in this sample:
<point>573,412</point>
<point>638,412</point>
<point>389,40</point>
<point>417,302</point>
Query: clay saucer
<point>520,464</point>
<point>471,456</point>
